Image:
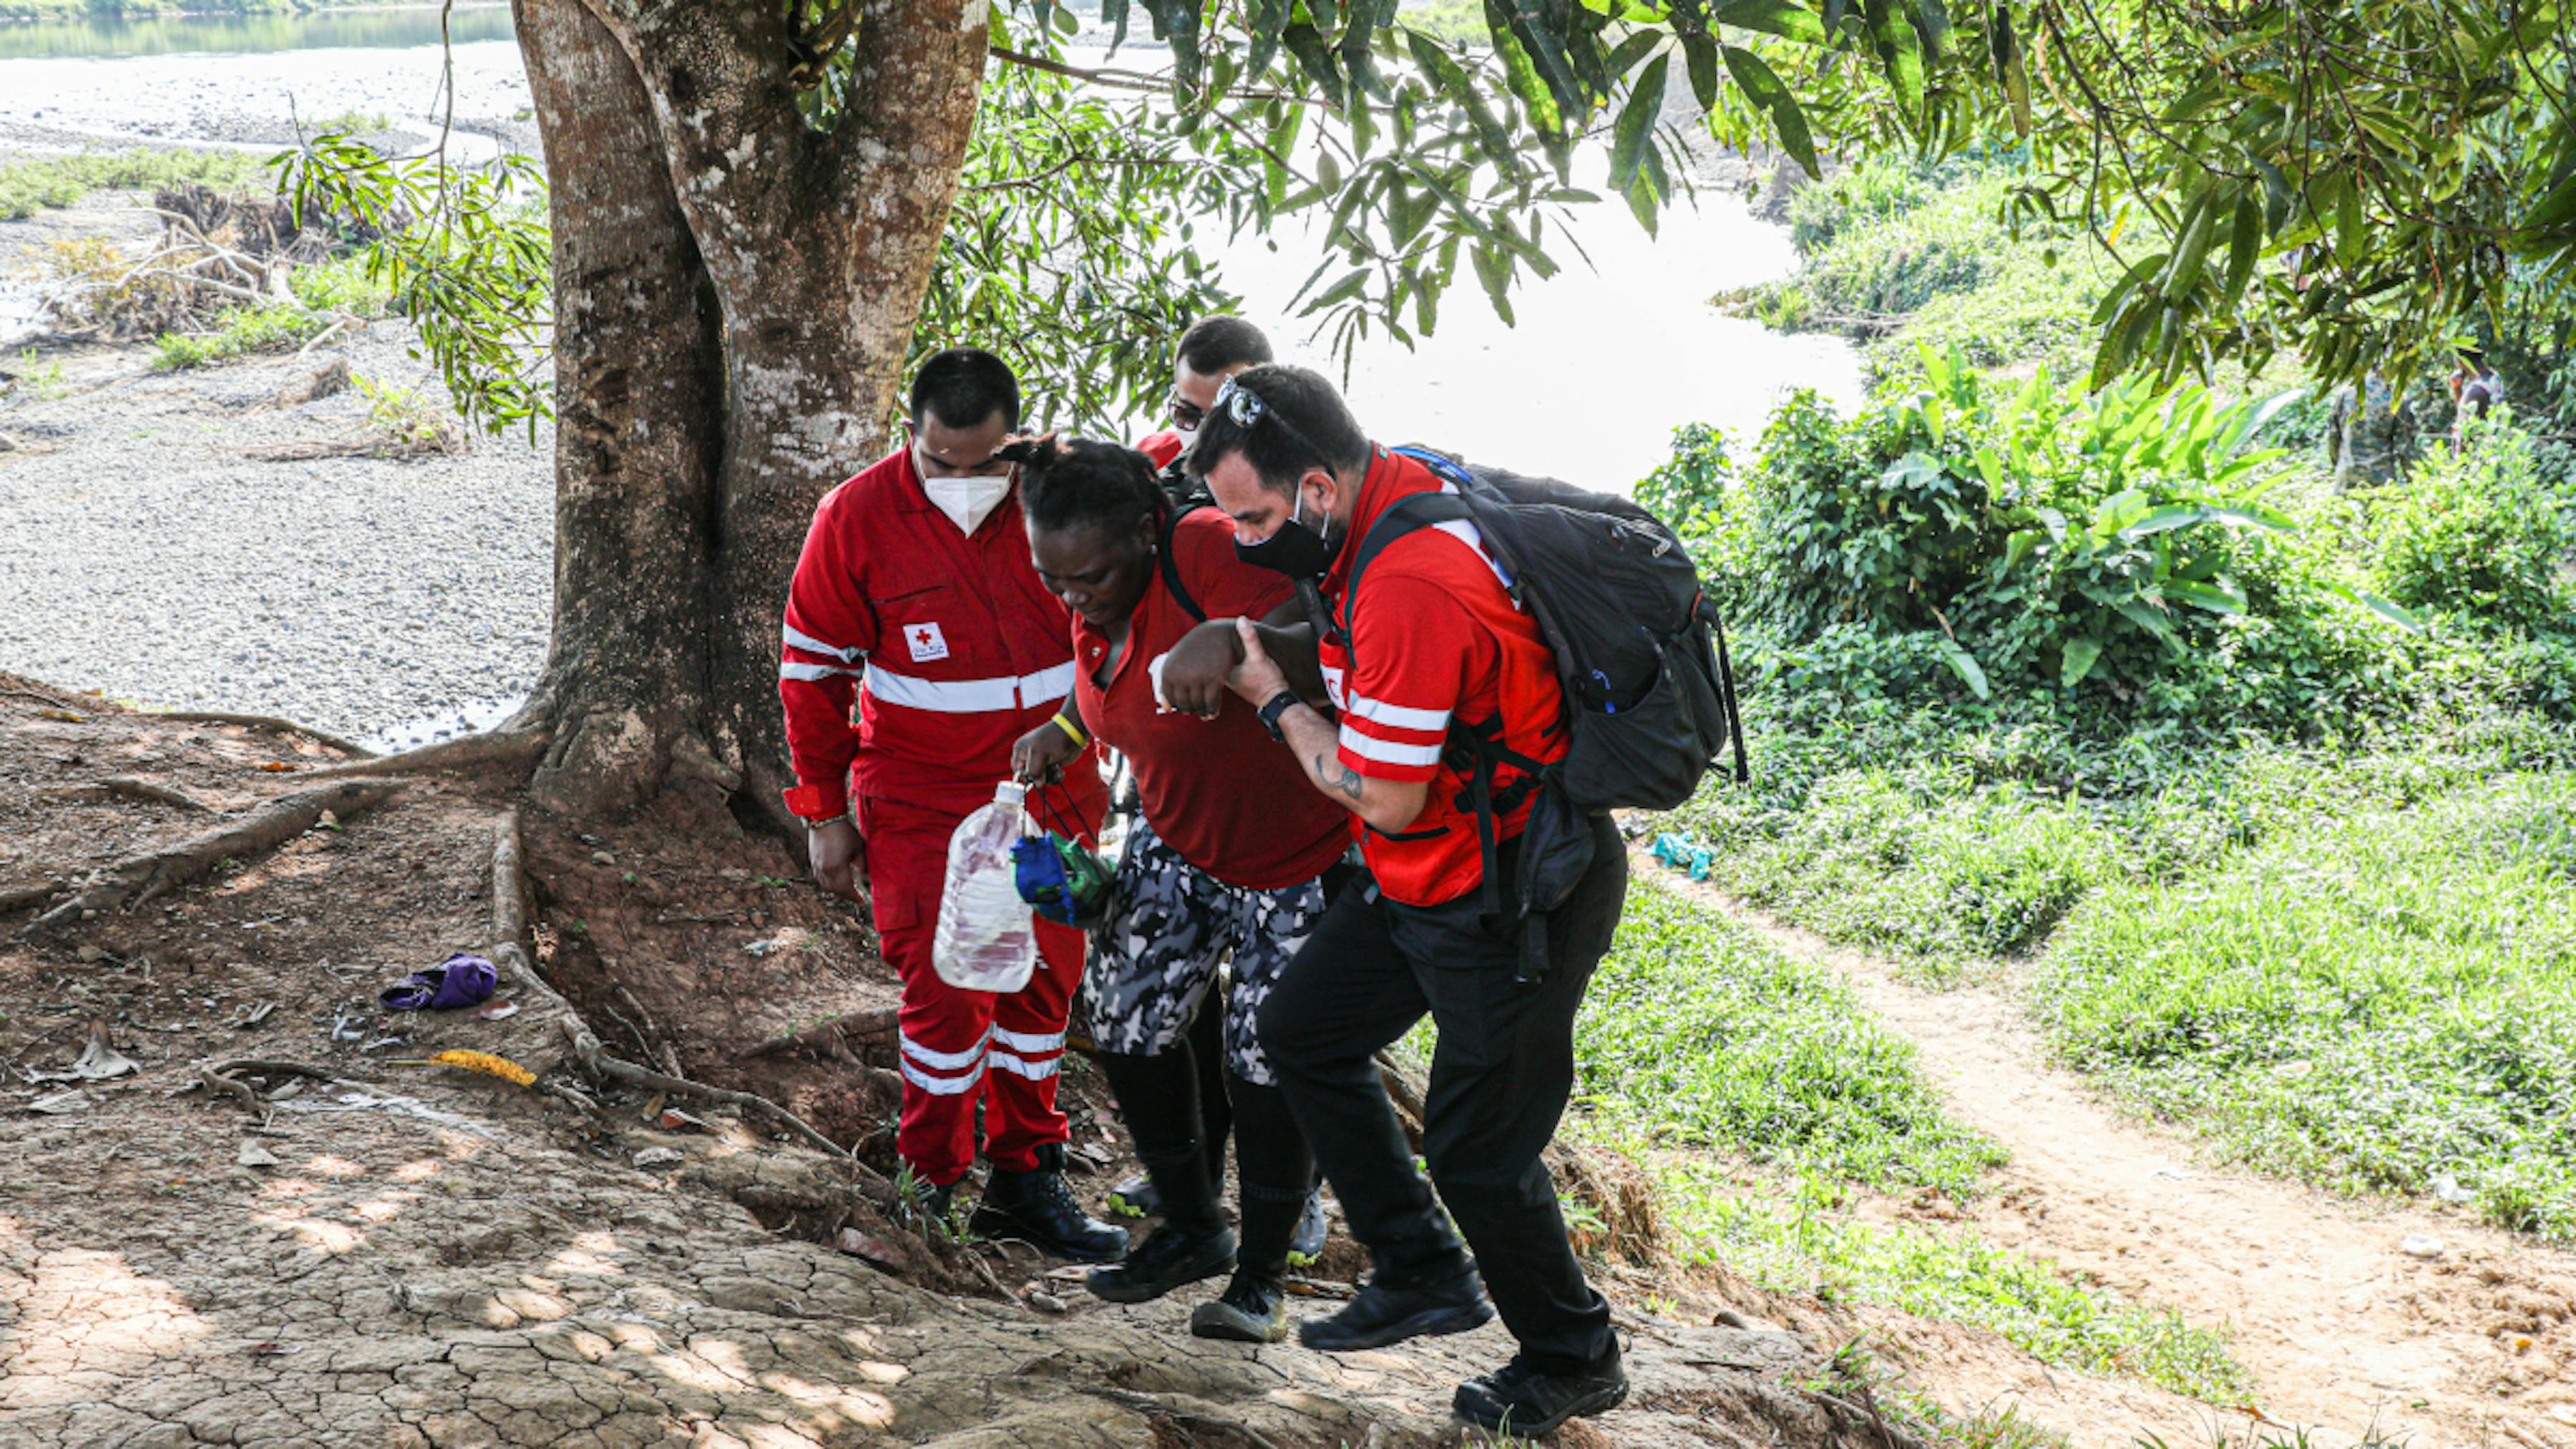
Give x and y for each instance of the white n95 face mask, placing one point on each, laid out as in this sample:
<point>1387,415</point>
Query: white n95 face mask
<point>967,501</point>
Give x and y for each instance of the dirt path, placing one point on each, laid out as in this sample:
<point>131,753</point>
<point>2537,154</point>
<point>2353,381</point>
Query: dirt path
<point>2340,1325</point>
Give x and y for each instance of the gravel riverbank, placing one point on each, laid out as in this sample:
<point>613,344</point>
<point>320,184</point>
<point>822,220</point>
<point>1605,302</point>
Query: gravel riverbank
<point>147,552</point>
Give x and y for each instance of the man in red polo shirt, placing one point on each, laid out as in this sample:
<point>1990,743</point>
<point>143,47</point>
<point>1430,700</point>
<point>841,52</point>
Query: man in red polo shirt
<point>1213,350</point>
<point>1436,649</point>
<point>915,594</point>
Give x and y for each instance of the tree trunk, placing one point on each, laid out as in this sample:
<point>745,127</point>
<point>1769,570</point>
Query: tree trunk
<point>736,293</point>
<point>639,428</point>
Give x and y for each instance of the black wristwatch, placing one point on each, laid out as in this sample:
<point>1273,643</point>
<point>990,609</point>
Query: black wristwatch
<point>1279,704</point>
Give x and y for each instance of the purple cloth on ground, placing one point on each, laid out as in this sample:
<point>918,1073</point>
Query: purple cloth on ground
<point>460,980</point>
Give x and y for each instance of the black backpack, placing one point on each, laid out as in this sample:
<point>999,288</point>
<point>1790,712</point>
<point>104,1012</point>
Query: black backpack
<point>1648,689</point>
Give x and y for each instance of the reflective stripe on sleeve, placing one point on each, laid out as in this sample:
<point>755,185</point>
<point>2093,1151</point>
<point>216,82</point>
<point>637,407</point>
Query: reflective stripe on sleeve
<point>1386,752</point>
<point>1397,716</point>
<point>798,639</point>
<point>794,670</point>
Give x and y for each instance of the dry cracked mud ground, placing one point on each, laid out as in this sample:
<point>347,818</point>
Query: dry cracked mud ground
<point>377,1251</point>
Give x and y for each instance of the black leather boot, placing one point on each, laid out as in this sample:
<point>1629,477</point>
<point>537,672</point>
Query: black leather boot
<point>1384,1314</point>
<point>1524,1401</point>
<point>1037,1208</point>
<point>1253,1309</point>
<point>1193,1241</point>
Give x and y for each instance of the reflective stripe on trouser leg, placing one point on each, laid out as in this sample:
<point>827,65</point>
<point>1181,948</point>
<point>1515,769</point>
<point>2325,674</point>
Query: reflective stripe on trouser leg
<point>1020,1114</point>
<point>943,1030</point>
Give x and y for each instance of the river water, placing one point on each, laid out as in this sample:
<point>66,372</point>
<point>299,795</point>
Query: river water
<point>1606,360</point>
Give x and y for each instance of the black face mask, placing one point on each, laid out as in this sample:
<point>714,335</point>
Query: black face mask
<point>1295,550</point>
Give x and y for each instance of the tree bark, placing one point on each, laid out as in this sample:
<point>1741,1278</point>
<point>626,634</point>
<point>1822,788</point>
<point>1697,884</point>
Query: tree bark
<point>736,292</point>
<point>639,429</point>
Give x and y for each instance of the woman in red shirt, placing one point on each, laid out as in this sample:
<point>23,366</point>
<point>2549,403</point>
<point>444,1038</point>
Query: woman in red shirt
<point>1226,860</point>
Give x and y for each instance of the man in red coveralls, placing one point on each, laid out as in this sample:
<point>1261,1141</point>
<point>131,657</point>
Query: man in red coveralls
<point>916,594</point>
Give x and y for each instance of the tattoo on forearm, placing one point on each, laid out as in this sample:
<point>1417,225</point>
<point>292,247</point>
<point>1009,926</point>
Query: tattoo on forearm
<point>1337,776</point>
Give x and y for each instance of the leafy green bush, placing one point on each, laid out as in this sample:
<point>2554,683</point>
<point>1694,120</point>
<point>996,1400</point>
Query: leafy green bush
<point>2038,539</point>
<point>2478,533</point>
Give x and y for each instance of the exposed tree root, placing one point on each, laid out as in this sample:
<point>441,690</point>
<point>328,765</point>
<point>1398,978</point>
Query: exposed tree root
<point>140,879</point>
<point>267,722</point>
<point>18,898</point>
<point>594,1058</point>
<point>831,1036</point>
<point>1153,1407</point>
<point>509,949</point>
<point>126,787</point>
<point>470,754</point>
<point>225,1077</point>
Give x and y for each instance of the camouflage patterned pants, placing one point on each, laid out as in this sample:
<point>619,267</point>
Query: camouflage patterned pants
<point>1156,955</point>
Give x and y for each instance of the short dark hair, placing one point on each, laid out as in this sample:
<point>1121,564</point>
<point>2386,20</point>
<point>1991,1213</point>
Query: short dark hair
<point>1214,344</point>
<point>963,386</point>
<point>1080,483</point>
<point>1301,423</point>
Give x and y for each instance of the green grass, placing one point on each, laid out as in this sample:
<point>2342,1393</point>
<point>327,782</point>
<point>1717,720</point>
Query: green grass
<point>280,327</point>
<point>1697,1031</point>
<point>63,180</point>
<point>1796,1240</point>
<point>1703,1048</point>
<point>322,291</point>
<point>2367,1003</point>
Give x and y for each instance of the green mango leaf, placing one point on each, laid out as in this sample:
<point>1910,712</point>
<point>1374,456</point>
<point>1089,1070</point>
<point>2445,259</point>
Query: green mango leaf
<point>1762,86</point>
<point>1783,18</point>
<point>1629,140</point>
<point>1267,20</point>
<point>1699,53</point>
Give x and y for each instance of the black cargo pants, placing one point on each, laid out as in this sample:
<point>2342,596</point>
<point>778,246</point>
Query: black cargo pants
<point>1500,1076</point>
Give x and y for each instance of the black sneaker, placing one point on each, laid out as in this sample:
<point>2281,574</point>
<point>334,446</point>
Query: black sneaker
<point>1037,1208</point>
<point>1381,1315</point>
<point>1253,1309</point>
<point>1174,1255</point>
<point>1525,1403</point>
<point>1308,1243</point>
<point>1136,1198</point>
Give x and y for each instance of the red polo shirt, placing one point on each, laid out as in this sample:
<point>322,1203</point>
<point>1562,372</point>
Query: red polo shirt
<point>1435,638</point>
<point>1233,801</point>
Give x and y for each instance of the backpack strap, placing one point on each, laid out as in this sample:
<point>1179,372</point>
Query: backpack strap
<point>1169,565</point>
<point>1410,514</point>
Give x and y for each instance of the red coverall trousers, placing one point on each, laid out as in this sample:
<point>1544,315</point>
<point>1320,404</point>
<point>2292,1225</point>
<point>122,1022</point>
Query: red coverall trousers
<point>961,1047</point>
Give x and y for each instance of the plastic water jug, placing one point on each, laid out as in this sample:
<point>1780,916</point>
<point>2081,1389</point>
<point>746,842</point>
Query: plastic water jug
<point>987,938</point>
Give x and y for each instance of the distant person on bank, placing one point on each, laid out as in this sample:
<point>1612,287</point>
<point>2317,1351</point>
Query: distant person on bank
<point>915,594</point>
<point>1226,862</point>
<point>2475,390</point>
<point>1436,649</point>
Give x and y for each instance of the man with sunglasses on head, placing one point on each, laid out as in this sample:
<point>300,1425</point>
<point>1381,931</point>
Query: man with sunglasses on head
<point>916,596</point>
<point>1436,649</point>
